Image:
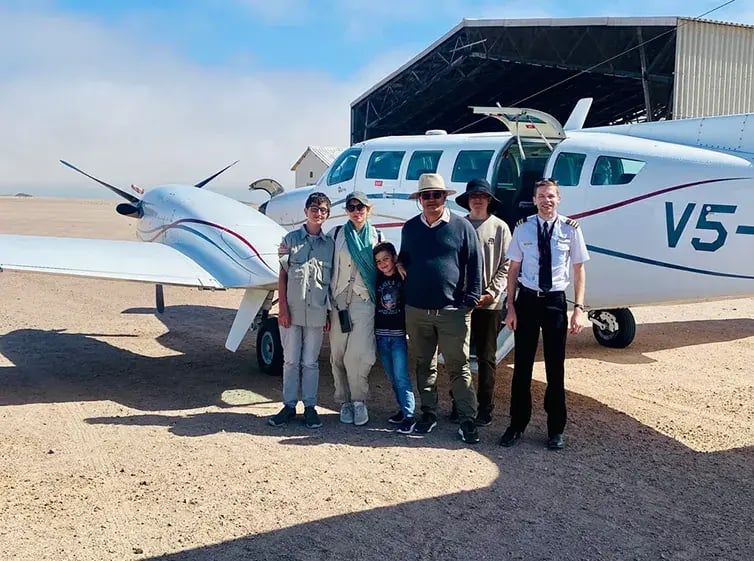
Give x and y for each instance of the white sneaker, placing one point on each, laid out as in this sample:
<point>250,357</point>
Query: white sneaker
<point>360,413</point>
<point>346,413</point>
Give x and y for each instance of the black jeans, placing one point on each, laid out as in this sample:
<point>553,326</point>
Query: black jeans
<point>548,314</point>
<point>484,328</point>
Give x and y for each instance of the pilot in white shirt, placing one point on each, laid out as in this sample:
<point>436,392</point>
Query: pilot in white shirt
<point>547,252</point>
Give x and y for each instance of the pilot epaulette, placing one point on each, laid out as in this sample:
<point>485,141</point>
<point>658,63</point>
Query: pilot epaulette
<point>520,222</point>
<point>572,223</point>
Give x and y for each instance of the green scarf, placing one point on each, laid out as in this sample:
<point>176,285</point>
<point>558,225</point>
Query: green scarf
<point>360,247</point>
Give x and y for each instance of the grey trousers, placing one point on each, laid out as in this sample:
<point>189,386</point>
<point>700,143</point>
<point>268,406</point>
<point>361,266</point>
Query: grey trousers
<point>449,330</point>
<point>301,347</point>
<point>353,354</point>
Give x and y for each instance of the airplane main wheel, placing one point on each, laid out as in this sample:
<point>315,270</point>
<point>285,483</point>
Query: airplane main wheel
<point>619,327</point>
<point>269,348</point>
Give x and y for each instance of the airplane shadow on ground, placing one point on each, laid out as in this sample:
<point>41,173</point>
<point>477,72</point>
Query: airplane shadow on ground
<point>619,491</point>
<point>655,337</point>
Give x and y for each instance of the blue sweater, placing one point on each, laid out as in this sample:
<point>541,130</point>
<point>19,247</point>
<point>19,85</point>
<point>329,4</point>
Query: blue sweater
<point>443,264</point>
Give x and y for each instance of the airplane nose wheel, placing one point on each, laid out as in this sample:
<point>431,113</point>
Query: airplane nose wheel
<point>614,328</point>
<point>269,348</point>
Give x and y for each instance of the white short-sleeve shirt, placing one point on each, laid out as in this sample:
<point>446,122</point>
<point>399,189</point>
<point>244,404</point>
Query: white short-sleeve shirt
<point>567,247</point>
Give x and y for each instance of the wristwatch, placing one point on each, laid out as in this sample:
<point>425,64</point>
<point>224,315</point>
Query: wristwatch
<point>579,306</point>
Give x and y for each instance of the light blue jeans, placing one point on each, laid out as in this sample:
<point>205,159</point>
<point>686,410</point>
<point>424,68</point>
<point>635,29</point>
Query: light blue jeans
<point>393,353</point>
<point>301,347</point>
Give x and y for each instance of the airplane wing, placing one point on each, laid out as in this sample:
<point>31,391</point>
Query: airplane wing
<point>104,259</point>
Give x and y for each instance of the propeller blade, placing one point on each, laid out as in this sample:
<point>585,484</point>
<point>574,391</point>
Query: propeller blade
<point>211,177</point>
<point>114,189</point>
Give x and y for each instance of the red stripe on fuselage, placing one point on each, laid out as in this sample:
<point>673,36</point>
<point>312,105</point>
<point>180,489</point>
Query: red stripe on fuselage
<point>647,196</point>
<point>213,225</point>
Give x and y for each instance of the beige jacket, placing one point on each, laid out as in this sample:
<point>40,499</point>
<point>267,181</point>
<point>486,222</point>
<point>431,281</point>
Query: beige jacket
<point>494,238</point>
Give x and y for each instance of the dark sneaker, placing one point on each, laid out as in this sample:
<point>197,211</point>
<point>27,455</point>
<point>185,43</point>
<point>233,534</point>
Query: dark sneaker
<point>396,419</point>
<point>468,432</point>
<point>484,418</point>
<point>453,417</point>
<point>425,425</point>
<point>556,442</point>
<point>285,416</point>
<point>407,425</point>
<point>311,418</point>
<point>510,437</point>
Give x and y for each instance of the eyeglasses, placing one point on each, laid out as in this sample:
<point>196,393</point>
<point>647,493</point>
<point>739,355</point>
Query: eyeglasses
<point>354,208</point>
<point>427,195</point>
<point>319,209</point>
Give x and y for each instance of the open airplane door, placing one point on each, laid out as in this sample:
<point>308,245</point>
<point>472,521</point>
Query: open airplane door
<point>524,122</point>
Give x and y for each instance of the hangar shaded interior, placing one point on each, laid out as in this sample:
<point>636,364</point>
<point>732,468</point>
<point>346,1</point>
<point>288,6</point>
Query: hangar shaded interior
<point>626,64</point>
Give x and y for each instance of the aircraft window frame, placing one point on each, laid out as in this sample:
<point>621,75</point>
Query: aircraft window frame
<point>377,169</point>
<point>573,172</point>
<point>467,172</point>
<point>413,174</point>
<point>340,162</point>
<point>614,171</point>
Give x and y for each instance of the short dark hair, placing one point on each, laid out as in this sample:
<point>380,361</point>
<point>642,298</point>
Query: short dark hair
<point>385,246</point>
<point>317,198</point>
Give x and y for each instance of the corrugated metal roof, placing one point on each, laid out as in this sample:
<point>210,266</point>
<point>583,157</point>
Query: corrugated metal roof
<point>325,153</point>
<point>524,22</point>
<point>714,69</point>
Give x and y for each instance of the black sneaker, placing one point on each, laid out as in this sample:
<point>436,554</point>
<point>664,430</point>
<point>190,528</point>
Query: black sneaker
<point>396,419</point>
<point>407,425</point>
<point>556,442</point>
<point>484,418</point>
<point>425,425</point>
<point>510,437</point>
<point>468,432</point>
<point>311,418</point>
<point>285,416</point>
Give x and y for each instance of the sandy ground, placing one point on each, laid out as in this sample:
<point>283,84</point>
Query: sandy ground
<point>124,435</point>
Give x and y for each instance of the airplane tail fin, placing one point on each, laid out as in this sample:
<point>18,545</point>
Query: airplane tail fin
<point>203,182</point>
<point>578,116</point>
<point>130,198</point>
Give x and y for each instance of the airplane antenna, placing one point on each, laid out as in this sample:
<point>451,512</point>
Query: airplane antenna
<point>113,188</point>
<point>211,177</point>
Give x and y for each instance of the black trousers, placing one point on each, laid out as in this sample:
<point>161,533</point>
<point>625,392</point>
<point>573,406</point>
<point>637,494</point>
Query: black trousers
<point>484,328</point>
<point>548,314</point>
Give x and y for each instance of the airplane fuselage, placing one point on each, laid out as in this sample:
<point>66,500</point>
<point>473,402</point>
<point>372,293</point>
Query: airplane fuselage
<point>664,221</point>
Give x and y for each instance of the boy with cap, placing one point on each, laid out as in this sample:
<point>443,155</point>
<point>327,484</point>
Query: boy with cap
<point>494,238</point>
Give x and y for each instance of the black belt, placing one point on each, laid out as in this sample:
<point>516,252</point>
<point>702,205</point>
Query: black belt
<point>539,293</point>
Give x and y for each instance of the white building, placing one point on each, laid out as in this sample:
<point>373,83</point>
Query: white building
<point>313,163</point>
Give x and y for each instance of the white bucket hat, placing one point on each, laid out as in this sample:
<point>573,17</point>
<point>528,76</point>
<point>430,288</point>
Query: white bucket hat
<point>431,182</point>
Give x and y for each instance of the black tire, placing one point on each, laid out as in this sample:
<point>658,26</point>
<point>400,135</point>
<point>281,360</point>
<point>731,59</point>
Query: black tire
<point>269,348</point>
<point>623,322</point>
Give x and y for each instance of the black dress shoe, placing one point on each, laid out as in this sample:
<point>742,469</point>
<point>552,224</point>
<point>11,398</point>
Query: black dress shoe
<point>555,442</point>
<point>510,437</point>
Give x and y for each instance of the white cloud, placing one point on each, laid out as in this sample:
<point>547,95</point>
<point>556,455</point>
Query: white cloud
<point>130,110</point>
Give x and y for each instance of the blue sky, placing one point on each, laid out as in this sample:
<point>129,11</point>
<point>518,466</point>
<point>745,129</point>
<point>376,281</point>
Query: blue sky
<point>145,92</point>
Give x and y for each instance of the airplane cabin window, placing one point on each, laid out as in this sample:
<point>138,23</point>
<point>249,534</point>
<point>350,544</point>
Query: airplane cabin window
<point>471,164</point>
<point>344,167</point>
<point>384,164</point>
<point>567,168</point>
<point>422,161</point>
<point>611,170</point>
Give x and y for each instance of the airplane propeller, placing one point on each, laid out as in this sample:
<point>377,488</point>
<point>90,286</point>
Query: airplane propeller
<point>203,182</point>
<point>114,189</point>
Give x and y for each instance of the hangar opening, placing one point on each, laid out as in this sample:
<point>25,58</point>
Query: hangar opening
<point>636,69</point>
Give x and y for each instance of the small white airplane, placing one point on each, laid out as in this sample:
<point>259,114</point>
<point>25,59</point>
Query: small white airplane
<point>202,239</point>
<point>667,208</point>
